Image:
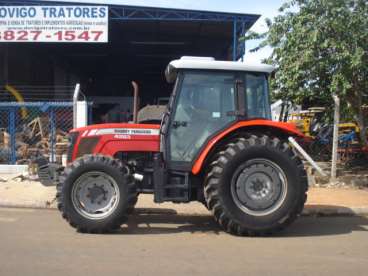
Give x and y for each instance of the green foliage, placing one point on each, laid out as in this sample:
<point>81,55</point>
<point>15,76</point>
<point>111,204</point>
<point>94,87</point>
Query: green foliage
<point>320,47</point>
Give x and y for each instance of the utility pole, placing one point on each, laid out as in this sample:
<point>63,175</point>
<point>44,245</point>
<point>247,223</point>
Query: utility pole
<point>335,141</point>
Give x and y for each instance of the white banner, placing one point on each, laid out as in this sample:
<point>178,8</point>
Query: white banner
<point>83,24</point>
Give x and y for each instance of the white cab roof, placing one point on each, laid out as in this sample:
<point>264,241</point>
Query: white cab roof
<point>208,63</point>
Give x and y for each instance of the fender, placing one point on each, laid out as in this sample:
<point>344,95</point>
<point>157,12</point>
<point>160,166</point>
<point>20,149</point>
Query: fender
<point>288,128</point>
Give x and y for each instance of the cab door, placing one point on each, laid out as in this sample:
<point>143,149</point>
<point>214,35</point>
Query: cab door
<point>204,105</point>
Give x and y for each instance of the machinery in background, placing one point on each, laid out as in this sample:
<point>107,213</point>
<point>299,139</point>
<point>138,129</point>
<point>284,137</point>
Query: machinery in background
<point>311,123</point>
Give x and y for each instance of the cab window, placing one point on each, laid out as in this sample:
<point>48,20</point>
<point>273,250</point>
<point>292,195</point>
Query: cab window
<point>202,109</point>
<point>257,100</point>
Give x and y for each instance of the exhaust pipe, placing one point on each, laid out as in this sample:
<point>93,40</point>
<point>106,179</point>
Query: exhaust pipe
<point>135,102</point>
<point>75,103</point>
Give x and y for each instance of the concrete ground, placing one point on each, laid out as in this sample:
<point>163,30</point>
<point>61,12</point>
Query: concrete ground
<point>39,242</point>
<point>327,201</point>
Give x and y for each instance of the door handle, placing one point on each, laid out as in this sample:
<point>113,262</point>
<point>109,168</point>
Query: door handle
<point>177,124</point>
<point>238,113</point>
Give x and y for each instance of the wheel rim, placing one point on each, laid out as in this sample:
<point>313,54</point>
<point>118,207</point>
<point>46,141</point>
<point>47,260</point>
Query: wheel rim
<point>259,187</point>
<point>95,195</point>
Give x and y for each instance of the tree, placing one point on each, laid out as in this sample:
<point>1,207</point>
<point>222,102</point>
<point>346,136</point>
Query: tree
<point>320,48</point>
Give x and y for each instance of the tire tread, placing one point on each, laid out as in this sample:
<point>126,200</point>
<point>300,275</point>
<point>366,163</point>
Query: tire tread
<point>212,184</point>
<point>132,196</point>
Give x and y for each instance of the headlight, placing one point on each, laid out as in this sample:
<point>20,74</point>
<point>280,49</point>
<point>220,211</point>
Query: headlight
<point>87,145</point>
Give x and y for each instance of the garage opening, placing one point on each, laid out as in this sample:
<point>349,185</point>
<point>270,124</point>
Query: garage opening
<point>142,41</point>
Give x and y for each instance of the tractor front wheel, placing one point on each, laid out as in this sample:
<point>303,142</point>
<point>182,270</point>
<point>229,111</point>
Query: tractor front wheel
<point>96,194</point>
<point>256,186</point>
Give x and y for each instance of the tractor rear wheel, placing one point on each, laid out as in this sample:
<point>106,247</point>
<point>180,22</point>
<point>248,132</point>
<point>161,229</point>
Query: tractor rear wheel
<point>256,186</point>
<point>96,194</point>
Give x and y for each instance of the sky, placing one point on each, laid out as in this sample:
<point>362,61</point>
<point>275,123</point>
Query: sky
<point>265,8</point>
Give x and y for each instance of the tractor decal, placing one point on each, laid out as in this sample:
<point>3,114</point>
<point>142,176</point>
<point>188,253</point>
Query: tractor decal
<point>126,131</point>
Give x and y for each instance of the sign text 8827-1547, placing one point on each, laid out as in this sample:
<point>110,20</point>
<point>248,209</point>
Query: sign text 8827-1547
<point>54,24</point>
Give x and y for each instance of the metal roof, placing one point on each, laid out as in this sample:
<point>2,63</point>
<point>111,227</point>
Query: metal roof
<point>127,12</point>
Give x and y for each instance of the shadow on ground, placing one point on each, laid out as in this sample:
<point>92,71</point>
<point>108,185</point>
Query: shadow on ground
<point>167,221</point>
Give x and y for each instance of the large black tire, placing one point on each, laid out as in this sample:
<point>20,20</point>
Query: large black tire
<point>126,189</point>
<point>218,183</point>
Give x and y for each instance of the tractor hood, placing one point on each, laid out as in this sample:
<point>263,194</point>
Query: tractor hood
<point>111,139</point>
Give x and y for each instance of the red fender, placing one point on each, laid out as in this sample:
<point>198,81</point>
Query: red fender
<point>289,128</point>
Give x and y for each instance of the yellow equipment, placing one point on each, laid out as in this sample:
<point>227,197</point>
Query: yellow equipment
<point>304,118</point>
<point>16,94</point>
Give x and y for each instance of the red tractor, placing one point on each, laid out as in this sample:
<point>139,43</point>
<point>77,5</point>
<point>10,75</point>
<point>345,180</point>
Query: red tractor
<point>216,144</point>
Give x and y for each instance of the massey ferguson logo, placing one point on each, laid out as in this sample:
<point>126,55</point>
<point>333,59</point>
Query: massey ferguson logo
<point>134,131</point>
<point>122,131</point>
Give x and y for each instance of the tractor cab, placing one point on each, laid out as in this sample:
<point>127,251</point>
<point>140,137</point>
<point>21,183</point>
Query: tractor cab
<point>208,97</point>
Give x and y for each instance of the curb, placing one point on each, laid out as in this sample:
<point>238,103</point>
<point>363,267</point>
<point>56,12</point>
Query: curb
<point>309,210</point>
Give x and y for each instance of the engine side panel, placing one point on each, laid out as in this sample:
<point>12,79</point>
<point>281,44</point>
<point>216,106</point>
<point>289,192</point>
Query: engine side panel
<point>113,138</point>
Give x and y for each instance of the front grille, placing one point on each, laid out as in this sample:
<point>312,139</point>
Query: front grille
<point>86,145</point>
<point>73,136</point>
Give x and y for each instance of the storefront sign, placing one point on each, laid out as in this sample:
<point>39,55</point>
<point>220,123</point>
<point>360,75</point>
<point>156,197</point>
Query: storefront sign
<point>88,24</point>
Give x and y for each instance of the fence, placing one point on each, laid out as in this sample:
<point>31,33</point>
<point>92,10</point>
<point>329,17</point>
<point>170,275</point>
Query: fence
<point>36,93</point>
<point>34,129</point>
